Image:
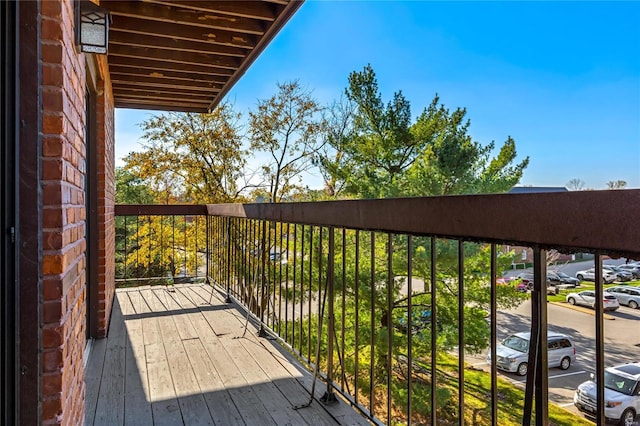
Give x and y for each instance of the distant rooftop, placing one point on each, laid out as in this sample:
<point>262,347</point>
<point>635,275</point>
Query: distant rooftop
<point>533,189</point>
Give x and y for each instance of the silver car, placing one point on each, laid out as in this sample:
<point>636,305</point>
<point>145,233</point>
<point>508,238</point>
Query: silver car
<point>590,275</point>
<point>620,273</point>
<point>513,353</point>
<point>626,295</point>
<point>588,298</point>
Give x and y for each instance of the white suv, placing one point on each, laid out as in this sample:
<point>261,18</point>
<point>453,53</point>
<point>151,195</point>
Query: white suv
<point>621,394</point>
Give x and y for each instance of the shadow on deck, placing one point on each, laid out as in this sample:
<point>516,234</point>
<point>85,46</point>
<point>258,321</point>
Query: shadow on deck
<point>178,356</point>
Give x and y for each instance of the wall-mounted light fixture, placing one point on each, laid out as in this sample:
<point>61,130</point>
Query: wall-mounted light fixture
<point>92,27</point>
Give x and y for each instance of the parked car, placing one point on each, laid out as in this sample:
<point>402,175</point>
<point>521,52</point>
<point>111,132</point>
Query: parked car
<point>560,278</point>
<point>626,295</point>
<point>622,275</point>
<point>588,298</point>
<point>621,394</point>
<point>513,352</point>
<point>590,275</point>
<point>526,284</point>
<point>635,270</point>
<point>505,280</point>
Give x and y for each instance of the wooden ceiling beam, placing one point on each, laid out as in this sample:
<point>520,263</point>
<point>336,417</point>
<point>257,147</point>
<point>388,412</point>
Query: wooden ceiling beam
<point>145,94</point>
<point>136,72</point>
<point>161,106</point>
<point>246,9</point>
<point>178,15</point>
<point>175,56</point>
<point>161,82</point>
<point>160,66</point>
<point>145,26</point>
<point>145,40</point>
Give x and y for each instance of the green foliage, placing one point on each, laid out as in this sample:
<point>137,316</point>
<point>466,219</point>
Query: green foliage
<point>377,151</point>
<point>131,189</point>
<point>189,157</point>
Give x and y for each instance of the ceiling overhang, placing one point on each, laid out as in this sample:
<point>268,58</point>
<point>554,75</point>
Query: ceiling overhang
<point>186,55</point>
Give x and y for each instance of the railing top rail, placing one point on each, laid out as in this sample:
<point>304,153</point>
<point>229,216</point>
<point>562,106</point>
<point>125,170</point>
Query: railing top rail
<point>161,210</point>
<point>605,222</point>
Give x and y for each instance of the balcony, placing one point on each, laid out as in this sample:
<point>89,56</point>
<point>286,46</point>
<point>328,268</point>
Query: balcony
<point>363,293</point>
<point>181,355</point>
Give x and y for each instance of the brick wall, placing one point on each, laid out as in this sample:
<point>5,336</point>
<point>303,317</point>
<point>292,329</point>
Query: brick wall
<point>63,218</point>
<point>106,200</point>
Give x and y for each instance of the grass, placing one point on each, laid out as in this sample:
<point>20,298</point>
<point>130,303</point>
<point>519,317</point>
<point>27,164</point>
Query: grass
<point>477,391</point>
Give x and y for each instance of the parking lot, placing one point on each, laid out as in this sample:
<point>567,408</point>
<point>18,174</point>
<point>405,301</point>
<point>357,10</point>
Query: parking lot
<point>622,337</point>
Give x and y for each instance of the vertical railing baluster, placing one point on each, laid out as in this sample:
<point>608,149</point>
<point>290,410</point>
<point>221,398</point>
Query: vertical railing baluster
<point>300,335</point>
<point>599,376</point>
<point>343,307</point>
<point>311,228</point>
<point>294,284</point>
<point>494,337</point>
<point>138,249</point>
<point>227,222</point>
<point>270,271</point>
<point>389,362</point>
<point>372,283</point>
<point>197,220</point>
<point>262,332</point>
<point>542,364</point>
<point>279,286</point>
<point>149,238</point>
<point>286,291</point>
<point>329,396</point>
<point>208,249</point>
<point>434,332</point>
<point>321,300</point>
<point>409,328</point>
<point>356,320</point>
<point>126,252</point>
<point>461,345</point>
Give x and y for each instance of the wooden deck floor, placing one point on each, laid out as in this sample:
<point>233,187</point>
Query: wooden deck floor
<point>178,357</point>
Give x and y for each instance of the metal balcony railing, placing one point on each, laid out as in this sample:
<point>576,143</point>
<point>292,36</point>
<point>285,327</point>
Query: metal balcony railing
<point>382,298</point>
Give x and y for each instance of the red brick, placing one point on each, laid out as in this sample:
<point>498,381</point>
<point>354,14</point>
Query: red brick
<point>51,29</point>
<point>52,51</point>
<point>52,146</point>
<point>53,264</point>
<point>51,383</point>
<point>52,99</point>
<point>52,218</point>
<point>52,289</point>
<point>52,312</point>
<point>52,193</point>
<point>52,124</point>
<point>51,408</point>
<point>52,169</point>
<point>52,360</point>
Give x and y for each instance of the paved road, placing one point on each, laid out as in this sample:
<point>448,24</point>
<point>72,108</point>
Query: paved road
<point>569,268</point>
<point>622,338</point>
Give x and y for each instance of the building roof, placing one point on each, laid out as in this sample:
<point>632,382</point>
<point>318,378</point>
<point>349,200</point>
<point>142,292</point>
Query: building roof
<point>186,55</point>
<point>534,189</point>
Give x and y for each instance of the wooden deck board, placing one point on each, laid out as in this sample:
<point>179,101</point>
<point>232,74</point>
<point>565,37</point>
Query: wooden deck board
<point>110,407</point>
<point>181,357</point>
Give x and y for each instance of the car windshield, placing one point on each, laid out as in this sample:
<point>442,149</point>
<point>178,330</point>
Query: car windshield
<point>618,383</point>
<point>563,275</point>
<point>516,343</point>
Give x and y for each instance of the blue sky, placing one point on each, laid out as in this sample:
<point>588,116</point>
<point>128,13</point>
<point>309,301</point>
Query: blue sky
<point>561,78</point>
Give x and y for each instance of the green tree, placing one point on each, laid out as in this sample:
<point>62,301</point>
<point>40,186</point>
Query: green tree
<point>189,157</point>
<point>131,189</point>
<point>385,154</point>
<point>286,127</point>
